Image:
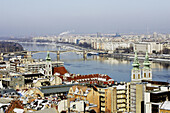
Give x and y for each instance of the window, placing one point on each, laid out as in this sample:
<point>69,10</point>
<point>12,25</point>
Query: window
<point>138,76</point>
<point>74,106</point>
<point>133,76</point>
<point>20,86</point>
<point>145,75</point>
<point>71,90</point>
<point>149,75</point>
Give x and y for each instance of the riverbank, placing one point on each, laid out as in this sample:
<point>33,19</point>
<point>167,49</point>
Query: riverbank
<point>126,56</point>
<point>10,47</point>
<point>140,57</point>
<point>130,56</point>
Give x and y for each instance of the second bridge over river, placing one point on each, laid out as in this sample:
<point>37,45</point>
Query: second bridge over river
<point>84,52</point>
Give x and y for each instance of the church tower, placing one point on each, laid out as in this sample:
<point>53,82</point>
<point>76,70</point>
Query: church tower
<point>48,65</point>
<point>136,71</point>
<point>147,71</point>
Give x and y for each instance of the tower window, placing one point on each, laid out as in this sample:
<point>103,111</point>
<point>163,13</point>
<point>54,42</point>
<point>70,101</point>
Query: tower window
<point>149,75</point>
<point>145,75</point>
<point>133,76</point>
<point>138,76</point>
<point>74,106</point>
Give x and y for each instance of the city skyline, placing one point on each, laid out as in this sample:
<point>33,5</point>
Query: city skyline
<point>19,18</point>
<point>84,56</point>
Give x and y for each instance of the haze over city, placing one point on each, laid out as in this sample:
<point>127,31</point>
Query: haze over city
<point>44,17</point>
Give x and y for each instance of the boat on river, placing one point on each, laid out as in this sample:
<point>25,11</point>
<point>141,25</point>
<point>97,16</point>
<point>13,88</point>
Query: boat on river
<point>92,53</point>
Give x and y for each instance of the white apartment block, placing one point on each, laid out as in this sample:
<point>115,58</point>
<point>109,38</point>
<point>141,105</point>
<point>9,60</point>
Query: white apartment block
<point>150,47</point>
<point>38,66</point>
<point>111,46</point>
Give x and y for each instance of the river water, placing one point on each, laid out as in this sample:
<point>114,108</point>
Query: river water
<point>117,69</point>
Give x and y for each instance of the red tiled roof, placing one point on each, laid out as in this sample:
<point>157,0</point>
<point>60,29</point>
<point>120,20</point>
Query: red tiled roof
<point>14,104</point>
<point>92,78</point>
<point>62,70</point>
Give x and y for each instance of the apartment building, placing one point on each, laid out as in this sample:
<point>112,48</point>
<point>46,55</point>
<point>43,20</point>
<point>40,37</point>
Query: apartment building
<point>106,99</point>
<point>150,47</point>
<point>135,97</point>
<point>38,66</point>
<point>44,67</point>
<point>109,45</point>
<point>113,99</point>
<point>155,95</point>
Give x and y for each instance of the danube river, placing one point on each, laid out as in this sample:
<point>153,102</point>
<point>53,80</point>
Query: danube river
<point>117,69</point>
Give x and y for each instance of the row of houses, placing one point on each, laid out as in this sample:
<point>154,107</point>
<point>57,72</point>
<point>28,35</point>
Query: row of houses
<point>139,97</point>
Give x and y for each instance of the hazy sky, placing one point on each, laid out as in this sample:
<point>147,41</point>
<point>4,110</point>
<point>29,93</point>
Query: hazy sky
<point>41,17</point>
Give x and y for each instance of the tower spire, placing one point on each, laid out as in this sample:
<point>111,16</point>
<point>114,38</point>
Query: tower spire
<point>136,62</point>
<point>146,62</point>
<point>48,57</point>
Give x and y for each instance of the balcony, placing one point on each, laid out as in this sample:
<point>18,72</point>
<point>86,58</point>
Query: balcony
<point>133,88</point>
<point>101,92</point>
<point>121,98</point>
<point>121,93</point>
<point>103,105</point>
<point>103,95</point>
<point>122,107</point>
<point>102,109</point>
<point>102,99</point>
<point>121,102</point>
<point>132,95</point>
<point>133,106</point>
<point>133,98</point>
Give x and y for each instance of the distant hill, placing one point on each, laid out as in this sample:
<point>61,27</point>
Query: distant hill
<point>10,47</point>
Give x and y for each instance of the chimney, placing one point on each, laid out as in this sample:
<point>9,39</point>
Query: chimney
<point>167,98</point>
<point>25,110</point>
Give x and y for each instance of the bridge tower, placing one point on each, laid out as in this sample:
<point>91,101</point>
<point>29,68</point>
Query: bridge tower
<point>29,55</point>
<point>58,55</point>
<point>85,55</point>
<point>1,56</point>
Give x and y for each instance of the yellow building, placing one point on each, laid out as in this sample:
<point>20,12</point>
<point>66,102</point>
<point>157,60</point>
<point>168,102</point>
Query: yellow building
<point>85,93</point>
<point>79,92</point>
<point>165,107</point>
<point>107,99</point>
